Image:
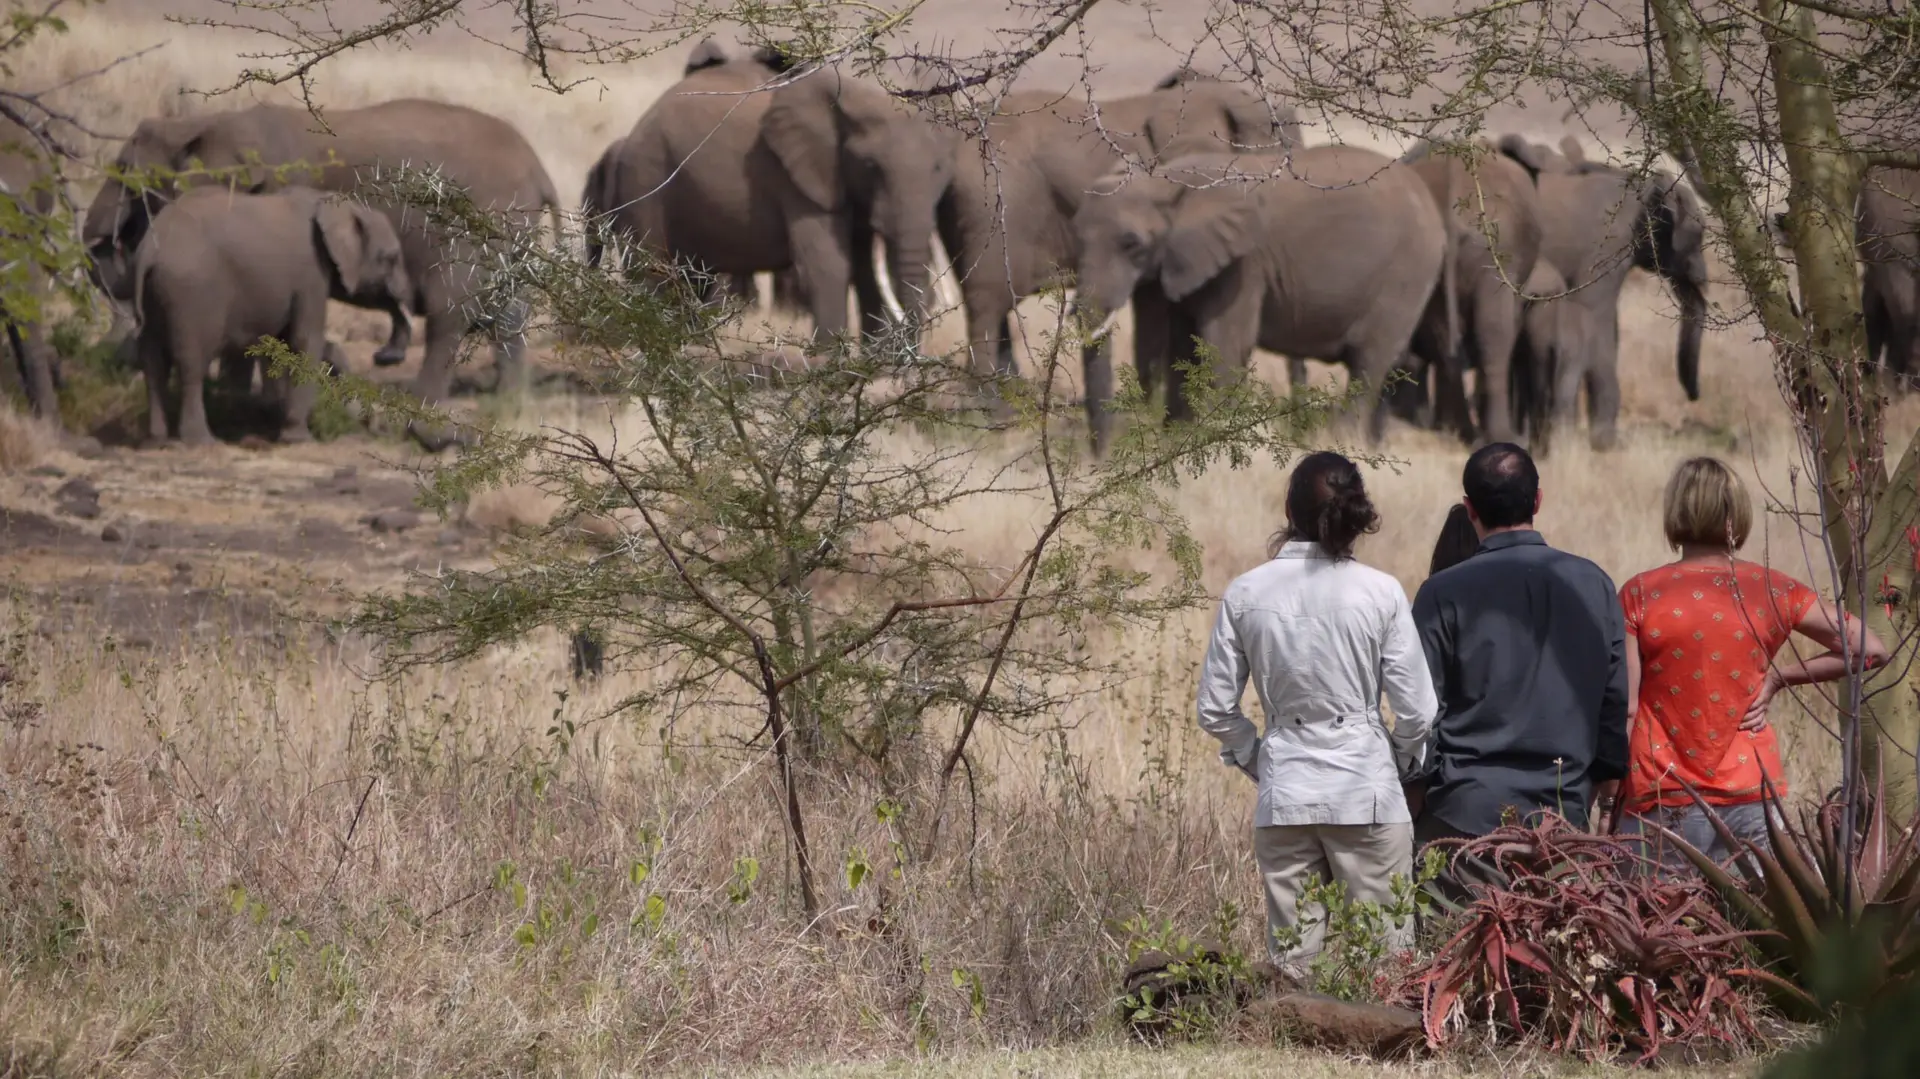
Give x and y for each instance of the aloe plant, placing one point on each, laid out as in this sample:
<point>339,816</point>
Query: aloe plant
<point>1823,883</point>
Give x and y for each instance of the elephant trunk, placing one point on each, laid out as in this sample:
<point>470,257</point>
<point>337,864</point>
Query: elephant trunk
<point>908,270</point>
<point>116,222</point>
<point>1693,321</point>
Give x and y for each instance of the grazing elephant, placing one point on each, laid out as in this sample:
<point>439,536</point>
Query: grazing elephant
<point>1333,253</point>
<point>1890,284</point>
<point>738,175</point>
<point>218,270</point>
<point>1007,220</point>
<point>1493,238</point>
<point>482,154</point>
<point>1597,222</point>
<point>27,184</point>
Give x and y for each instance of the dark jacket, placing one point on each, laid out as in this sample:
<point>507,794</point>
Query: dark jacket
<point>1527,648</point>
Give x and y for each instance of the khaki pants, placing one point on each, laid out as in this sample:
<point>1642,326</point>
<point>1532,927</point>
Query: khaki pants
<point>1363,856</point>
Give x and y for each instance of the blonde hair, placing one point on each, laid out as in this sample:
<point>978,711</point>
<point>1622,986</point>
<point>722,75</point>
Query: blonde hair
<point>1707,505</point>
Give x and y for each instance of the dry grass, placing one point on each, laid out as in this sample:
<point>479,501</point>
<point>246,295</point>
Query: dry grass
<point>23,439</point>
<point>229,856</point>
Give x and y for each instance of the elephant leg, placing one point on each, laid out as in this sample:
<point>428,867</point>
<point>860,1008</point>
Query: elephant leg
<point>1873,309</point>
<point>399,337</point>
<point>1296,373</point>
<point>874,322</point>
<point>192,363</point>
<point>1226,315</point>
<point>509,335</point>
<point>1180,354</point>
<point>989,328</point>
<point>1574,354</point>
<point>297,396</point>
<point>446,327</point>
<point>823,261</point>
<point>1407,396</point>
<point>1493,327</point>
<point>1151,346</point>
<point>35,357</point>
<point>1603,390</point>
<point>154,365</point>
<point>1003,359</point>
<point>236,374</point>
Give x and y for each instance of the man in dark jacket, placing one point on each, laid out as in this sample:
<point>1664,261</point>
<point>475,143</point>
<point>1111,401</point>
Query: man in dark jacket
<point>1527,648</point>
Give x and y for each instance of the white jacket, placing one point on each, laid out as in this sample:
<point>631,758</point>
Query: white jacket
<point>1320,640</point>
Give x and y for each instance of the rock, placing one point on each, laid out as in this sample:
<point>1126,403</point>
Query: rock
<point>49,471</point>
<point>393,520</point>
<point>1331,1023</point>
<point>77,488</point>
<point>112,534</point>
<point>345,472</point>
<point>450,537</point>
<point>87,448</point>
<point>78,498</point>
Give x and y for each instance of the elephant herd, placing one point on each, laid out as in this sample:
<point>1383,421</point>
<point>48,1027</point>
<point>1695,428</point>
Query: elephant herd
<point>1196,204</point>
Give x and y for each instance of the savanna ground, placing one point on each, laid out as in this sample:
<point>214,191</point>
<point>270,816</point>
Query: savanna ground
<point>227,848</point>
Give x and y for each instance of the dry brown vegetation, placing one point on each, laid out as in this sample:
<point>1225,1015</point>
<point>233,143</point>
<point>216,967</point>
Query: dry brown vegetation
<point>223,847</point>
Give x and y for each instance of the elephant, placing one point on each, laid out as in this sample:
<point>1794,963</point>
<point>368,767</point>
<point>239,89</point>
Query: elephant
<point>27,182</point>
<point>737,175</point>
<point>1598,221</point>
<point>1331,252</point>
<point>1890,282</point>
<point>1493,226</point>
<point>1007,219</point>
<point>480,153</point>
<point>788,295</point>
<point>218,270</point>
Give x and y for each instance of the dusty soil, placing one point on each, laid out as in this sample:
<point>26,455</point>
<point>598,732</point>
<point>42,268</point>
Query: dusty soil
<point>230,538</point>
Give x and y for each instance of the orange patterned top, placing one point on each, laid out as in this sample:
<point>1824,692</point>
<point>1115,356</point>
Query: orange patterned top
<point>1706,635</point>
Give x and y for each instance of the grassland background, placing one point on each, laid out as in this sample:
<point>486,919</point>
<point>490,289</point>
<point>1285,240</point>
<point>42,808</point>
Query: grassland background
<point>253,858</point>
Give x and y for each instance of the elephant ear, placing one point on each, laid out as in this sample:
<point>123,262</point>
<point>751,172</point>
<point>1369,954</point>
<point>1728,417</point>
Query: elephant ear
<point>709,53</point>
<point>1210,230</point>
<point>801,129</point>
<point>1570,149</point>
<point>1527,155</point>
<point>343,233</point>
<point>1204,115</point>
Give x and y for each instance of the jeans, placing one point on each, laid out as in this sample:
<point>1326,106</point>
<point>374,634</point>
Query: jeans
<point>1747,821</point>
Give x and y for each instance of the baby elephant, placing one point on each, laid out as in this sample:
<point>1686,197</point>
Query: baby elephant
<point>218,270</point>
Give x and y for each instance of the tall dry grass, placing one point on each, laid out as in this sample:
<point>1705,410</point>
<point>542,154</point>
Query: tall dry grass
<point>227,857</point>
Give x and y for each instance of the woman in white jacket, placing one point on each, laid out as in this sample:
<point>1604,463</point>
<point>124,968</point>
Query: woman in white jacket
<point>1321,636</point>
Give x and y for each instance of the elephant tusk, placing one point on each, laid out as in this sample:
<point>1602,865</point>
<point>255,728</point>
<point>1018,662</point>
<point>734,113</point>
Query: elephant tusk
<point>885,280</point>
<point>1105,328</point>
<point>945,287</point>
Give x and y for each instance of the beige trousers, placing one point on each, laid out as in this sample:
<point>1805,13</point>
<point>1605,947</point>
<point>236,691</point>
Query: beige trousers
<point>1363,856</point>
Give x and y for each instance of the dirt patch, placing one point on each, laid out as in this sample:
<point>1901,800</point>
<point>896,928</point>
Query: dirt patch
<point>220,540</point>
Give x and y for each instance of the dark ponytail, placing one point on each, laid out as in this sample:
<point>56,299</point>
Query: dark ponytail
<point>1327,504</point>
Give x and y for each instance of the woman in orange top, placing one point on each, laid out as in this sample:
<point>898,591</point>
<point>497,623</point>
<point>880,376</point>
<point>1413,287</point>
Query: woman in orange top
<point>1702,633</point>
